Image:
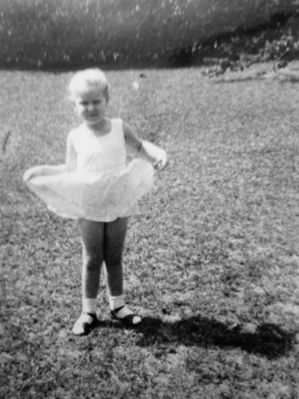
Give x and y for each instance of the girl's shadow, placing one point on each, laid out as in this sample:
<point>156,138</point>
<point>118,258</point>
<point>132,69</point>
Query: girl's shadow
<point>268,340</point>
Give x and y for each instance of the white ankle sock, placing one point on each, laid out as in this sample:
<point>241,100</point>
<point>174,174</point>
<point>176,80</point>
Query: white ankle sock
<point>116,302</point>
<point>89,305</point>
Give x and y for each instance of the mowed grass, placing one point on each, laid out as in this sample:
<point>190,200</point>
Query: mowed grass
<point>211,261</point>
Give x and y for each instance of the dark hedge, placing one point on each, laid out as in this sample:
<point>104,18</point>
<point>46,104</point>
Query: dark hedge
<point>62,33</point>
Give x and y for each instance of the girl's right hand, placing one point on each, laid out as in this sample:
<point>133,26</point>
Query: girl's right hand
<point>44,170</point>
<point>29,174</point>
<point>36,171</point>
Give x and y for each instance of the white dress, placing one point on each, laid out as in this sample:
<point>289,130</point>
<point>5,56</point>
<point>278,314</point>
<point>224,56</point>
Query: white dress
<point>103,186</point>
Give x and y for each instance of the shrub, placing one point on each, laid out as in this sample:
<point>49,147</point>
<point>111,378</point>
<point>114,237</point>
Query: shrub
<point>71,32</point>
<point>277,42</point>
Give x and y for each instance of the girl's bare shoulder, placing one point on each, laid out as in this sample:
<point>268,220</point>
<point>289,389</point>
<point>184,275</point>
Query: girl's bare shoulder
<point>75,133</point>
<point>127,128</point>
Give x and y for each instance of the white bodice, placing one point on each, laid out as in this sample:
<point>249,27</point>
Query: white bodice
<point>99,153</point>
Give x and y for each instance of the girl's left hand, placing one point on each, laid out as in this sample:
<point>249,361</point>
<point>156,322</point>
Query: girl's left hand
<point>161,162</point>
<point>155,154</point>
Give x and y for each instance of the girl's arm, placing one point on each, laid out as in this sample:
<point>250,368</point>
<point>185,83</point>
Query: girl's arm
<point>149,151</point>
<point>43,170</point>
<point>46,170</point>
<point>70,160</point>
<point>71,157</point>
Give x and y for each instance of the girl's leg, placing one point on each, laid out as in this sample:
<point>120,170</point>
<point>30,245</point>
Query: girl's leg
<point>114,239</point>
<point>92,234</point>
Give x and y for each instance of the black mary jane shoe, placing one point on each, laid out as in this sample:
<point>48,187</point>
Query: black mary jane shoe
<point>85,323</point>
<point>126,317</point>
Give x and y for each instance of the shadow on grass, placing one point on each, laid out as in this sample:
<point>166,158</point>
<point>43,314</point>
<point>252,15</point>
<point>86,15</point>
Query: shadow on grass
<point>268,340</point>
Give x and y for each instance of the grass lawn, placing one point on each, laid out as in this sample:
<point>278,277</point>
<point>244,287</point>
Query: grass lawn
<point>211,261</point>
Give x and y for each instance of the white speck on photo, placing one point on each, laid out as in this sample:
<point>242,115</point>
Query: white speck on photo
<point>136,85</point>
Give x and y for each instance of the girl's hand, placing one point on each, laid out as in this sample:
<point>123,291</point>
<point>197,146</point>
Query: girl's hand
<point>30,173</point>
<point>161,162</point>
<point>151,152</point>
<point>156,154</point>
<point>44,170</point>
<point>27,175</point>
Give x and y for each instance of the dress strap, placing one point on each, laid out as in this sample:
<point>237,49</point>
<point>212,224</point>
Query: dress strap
<point>117,133</point>
<point>117,126</point>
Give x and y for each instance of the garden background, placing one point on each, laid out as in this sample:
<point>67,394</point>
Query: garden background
<point>212,260</point>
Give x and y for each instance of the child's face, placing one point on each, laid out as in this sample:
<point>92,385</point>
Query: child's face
<point>91,106</point>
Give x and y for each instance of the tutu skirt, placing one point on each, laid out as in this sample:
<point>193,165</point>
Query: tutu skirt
<point>98,196</point>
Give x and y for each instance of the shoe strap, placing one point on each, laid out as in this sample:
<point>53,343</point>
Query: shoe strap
<point>122,312</point>
<point>87,318</point>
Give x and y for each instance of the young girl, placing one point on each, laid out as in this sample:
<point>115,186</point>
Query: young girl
<point>97,187</point>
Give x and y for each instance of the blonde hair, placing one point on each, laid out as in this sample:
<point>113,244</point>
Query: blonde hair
<point>87,80</point>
